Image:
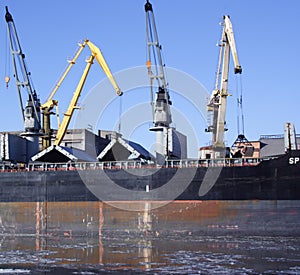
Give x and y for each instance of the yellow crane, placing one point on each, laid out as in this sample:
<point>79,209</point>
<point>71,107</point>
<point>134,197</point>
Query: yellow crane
<point>218,100</point>
<point>50,103</point>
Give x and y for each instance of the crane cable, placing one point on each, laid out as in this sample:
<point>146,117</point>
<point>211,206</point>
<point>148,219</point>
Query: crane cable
<point>240,111</point>
<point>7,62</point>
<point>120,113</point>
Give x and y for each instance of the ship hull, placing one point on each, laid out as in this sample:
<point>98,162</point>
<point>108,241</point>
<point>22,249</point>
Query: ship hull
<point>274,179</point>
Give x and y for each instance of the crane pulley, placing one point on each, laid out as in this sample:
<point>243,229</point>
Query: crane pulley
<point>218,101</point>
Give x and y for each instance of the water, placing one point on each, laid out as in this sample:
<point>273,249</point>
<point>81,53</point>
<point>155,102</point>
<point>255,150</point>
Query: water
<point>188,237</point>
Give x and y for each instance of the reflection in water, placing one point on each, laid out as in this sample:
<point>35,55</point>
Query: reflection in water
<point>184,236</point>
<point>40,225</point>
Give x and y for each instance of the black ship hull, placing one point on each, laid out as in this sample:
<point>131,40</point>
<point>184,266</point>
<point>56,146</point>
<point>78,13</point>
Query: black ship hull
<point>273,179</point>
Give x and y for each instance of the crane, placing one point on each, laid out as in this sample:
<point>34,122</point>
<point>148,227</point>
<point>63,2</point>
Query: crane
<point>161,109</point>
<point>31,111</point>
<point>218,100</point>
<point>50,103</point>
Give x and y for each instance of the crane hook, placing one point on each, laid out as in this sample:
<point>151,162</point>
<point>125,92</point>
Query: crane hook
<point>7,79</point>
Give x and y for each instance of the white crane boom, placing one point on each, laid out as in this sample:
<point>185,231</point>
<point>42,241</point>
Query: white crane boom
<point>218,100</point>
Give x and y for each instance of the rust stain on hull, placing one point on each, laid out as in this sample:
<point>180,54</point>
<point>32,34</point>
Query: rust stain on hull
<point>74,217</point>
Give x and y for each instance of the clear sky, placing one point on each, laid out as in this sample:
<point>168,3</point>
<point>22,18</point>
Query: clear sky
<point>267,38</point>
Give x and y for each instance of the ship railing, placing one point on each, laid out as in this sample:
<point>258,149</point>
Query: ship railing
<point>110,165</point>
<point>10,167</point>
<point>222,162</point>
<point>134,164</point>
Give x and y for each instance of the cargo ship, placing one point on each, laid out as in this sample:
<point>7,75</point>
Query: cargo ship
<point>65,173</point>
<point>273,178</point>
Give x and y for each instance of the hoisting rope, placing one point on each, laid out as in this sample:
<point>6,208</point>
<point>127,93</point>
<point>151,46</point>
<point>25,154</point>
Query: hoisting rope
<point>120,113</point>
<point>240,111</point>
<point>7,61</point>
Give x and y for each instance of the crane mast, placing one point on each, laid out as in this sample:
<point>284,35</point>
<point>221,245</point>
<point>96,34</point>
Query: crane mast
<point>161,108</point>
<point>218,100</point>
<point>31,111</point>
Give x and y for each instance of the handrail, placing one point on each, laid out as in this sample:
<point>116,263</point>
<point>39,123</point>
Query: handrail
<point>132,164</point>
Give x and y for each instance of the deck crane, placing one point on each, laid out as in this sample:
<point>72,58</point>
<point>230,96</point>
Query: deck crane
<point>161,109</point>
<point>50,103</point>
<point>217,103</point>
<point>31,112</point>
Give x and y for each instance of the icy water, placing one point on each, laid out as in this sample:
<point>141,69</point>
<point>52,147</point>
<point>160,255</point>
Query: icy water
<point>186,237</point>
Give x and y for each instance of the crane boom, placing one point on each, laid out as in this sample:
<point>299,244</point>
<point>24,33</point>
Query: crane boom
<point>231,41</point>
<point>72,106</point>
<point>161,108</point>
<point>95,54</point>
<point>50,103</point>
<point>218,100</point>
<point>31,112</point>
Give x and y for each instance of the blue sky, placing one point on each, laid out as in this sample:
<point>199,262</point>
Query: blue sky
<point>266,35</point>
